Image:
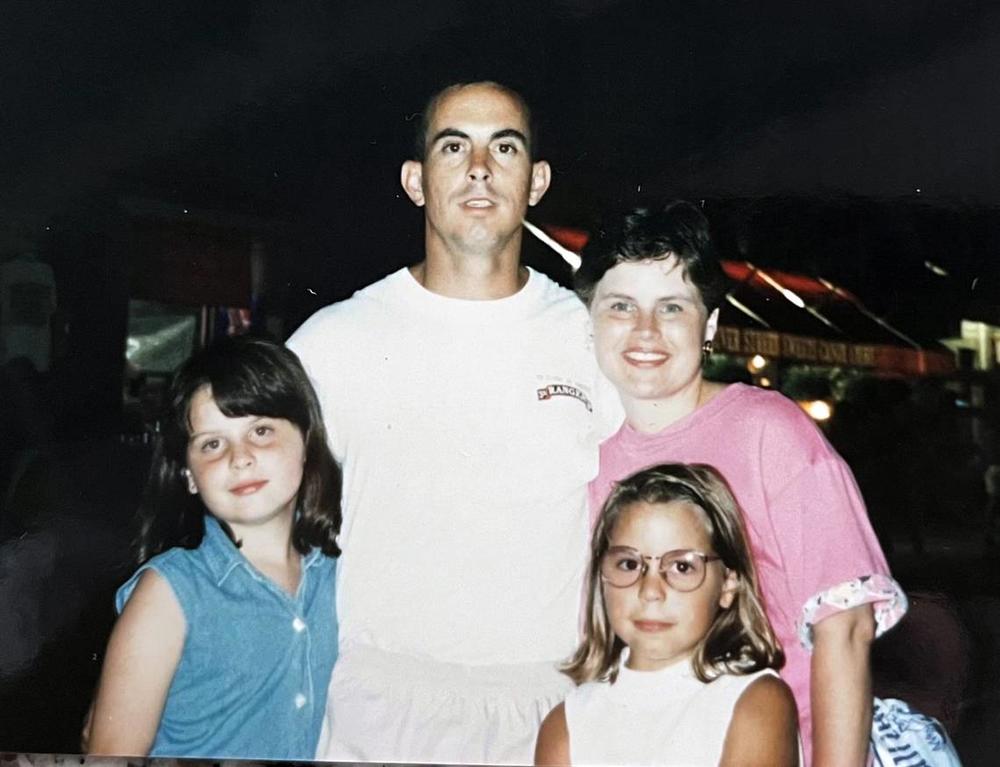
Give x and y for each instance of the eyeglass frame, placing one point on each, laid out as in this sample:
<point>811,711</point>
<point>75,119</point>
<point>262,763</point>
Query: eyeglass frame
<point>647,559</point>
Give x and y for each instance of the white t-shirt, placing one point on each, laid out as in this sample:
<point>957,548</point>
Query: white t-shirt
<point>665,717</point>
<point>467,431</point>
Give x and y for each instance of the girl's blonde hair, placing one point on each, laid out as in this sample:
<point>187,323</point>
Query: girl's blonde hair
<point>740,640</point>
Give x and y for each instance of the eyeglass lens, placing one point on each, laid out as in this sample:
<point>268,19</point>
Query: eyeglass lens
<point>682,570</point>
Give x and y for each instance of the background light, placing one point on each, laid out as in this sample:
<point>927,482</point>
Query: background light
<point>818,410</point>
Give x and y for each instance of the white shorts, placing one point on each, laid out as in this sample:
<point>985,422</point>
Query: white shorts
<point>387,707</point>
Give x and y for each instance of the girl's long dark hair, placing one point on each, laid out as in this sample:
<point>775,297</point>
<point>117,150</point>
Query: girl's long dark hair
<point>740,640</point>
<point>247,376</point>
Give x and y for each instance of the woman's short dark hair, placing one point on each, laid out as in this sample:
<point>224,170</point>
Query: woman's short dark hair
<point>678,229</point>
<point>740,640</point>
<point>247,376</point>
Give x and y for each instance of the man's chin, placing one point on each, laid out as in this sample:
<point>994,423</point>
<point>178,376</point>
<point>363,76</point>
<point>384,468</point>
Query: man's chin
<point>483,242</point>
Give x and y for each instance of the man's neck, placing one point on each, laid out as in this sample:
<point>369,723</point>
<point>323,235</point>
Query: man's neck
<point>475,277</point>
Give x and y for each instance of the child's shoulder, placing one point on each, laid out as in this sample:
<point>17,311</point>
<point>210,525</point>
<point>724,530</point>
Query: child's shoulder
<point>764,682</point>
<point>586,692</point>
<point>765,722</point>
<point>764,695</point>
<point>322,567</point>
<point>178,567</point>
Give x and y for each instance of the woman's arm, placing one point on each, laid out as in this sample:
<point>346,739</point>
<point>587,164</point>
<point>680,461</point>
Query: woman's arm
<point>764,729</point>
<point>143,653</point>
<point>841,686</point>
<point>552,746</point>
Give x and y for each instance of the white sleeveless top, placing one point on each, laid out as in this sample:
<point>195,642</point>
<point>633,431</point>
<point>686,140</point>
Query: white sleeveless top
<point>665,717</point>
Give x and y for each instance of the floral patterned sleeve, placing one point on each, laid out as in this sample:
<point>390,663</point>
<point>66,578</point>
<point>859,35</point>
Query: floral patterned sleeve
<point>885,595</point>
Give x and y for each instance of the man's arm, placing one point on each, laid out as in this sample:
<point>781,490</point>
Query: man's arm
<point>841,686</point>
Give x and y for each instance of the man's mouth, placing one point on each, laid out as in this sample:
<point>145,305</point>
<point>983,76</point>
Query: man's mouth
<point>479,202</point>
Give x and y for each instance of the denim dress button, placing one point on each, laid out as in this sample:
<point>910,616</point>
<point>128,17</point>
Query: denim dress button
<point>299,625</point>
<point>300,700</point>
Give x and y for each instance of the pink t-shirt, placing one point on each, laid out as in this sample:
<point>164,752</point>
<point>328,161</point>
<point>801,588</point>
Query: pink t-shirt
<point>808,527</point>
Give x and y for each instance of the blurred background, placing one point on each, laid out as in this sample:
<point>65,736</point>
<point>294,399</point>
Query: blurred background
<point>170,172</point>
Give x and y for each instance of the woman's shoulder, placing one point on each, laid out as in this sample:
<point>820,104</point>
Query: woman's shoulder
<point>766,402</point>
<point>782,420</point>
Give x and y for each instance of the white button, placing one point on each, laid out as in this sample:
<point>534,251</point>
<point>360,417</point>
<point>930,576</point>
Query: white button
<point>300,700</point>
<point>298,624</point>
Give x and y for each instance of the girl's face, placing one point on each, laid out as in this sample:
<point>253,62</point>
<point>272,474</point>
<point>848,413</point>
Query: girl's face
<point>248,469</point>
<point>649,326</point>
<point>659,624</point>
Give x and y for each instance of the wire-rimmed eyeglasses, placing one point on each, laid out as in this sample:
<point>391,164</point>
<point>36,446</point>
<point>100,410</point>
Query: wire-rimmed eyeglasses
<point>682,569</point>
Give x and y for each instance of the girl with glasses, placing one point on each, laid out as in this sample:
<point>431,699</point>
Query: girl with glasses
<point>678,661</point>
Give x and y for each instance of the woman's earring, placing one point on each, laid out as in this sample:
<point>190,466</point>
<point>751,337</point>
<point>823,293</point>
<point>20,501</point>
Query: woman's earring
<point>192,487</point>
<point>706,350</point>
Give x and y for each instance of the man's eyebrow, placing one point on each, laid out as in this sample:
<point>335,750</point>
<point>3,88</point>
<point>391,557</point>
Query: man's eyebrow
<point>456,133</point>
<point>448,132</point>
<point>510,133</point>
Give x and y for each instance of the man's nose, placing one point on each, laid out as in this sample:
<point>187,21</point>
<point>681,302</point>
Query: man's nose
<point>479,165</point>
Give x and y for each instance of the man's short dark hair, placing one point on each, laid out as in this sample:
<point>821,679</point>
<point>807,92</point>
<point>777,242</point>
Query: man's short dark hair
<point>427,115</point>
<point>678,229</point>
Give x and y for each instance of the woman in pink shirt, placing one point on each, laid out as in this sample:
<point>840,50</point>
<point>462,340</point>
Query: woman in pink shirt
<point>653,283</point>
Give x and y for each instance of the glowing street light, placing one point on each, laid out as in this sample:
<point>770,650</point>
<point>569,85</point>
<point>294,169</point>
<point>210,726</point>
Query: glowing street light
<point>818,409</point>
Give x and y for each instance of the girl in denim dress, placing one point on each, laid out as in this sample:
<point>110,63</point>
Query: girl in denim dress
<point>227,632</point>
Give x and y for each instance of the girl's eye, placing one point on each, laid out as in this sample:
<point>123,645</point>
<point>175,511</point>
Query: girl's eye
<point>687,568</point>
<point>671,308</point>
<point>210,445</point>
<point>263,430</point>
<point>629,564</point>
<point>622,307</point>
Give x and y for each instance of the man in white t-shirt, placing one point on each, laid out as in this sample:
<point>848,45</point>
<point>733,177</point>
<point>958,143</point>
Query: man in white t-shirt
<point>463,400</point>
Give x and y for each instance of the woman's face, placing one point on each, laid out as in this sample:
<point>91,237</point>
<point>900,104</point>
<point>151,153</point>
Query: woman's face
<point>649,326</point>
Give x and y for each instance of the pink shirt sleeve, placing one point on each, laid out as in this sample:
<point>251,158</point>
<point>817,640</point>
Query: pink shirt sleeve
<point>834,561</point>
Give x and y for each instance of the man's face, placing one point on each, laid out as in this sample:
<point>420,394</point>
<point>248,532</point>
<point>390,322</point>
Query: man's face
<point>477,178</point>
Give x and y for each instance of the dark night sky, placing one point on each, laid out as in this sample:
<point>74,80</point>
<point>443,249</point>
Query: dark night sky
<point>302,111</point>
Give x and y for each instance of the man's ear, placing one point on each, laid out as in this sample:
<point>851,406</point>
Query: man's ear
<point>541,177</point>
<point>411,176</point>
